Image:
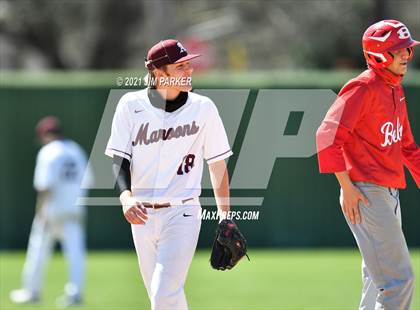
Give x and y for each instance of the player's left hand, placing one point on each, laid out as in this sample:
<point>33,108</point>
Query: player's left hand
<point>229,247</point>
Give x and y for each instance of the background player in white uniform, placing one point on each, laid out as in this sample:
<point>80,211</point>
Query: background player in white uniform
<point>60,167</point>
<point>158,141</point>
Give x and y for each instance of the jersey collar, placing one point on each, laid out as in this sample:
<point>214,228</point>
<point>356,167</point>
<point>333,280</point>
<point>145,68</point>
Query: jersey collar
<point>166,105</point>
<point>389,77</point>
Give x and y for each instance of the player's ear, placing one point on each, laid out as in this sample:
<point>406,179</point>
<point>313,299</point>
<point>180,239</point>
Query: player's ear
<point>155,72</point>
<point>164,70</point>
<point>159,72</point>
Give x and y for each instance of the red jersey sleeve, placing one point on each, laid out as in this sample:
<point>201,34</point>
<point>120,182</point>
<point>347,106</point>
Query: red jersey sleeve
<point>338,125</point>
<point>410,150</point>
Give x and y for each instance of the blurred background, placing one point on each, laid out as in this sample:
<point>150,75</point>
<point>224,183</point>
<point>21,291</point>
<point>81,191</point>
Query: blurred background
<point>233,35</point>
<point>62,58</point>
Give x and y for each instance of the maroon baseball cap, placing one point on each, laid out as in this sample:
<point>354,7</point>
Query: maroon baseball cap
<point>167,52</point>
<point>49,124</point>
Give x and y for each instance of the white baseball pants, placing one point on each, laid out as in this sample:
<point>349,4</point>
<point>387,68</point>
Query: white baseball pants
<point>165,246</point>
<point>43,235</point>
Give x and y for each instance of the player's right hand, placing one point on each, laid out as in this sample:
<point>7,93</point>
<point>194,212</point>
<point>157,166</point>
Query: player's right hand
<point>350,204</point>
<point>133,211</point>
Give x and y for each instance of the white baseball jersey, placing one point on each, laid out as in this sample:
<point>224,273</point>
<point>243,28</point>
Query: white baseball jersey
<point>60,167</point>
<point>166,150</point>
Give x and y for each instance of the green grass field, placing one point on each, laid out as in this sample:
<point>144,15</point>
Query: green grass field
<point>273,279</point>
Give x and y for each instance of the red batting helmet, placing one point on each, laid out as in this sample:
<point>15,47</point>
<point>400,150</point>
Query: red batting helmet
<point>383,37</point>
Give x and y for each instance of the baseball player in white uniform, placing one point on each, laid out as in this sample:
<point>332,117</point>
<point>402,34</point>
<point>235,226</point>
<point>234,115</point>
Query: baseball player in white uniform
<point>159,138</point>
<point>60,167</point>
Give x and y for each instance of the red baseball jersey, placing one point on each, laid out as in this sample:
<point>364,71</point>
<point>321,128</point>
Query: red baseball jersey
<point>367,132</point>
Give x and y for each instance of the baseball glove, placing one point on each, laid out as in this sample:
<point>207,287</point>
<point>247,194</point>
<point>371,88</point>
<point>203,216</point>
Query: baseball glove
<point>229,246</point>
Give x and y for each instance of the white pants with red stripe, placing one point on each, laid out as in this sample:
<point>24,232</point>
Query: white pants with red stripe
<point>165,246</point>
